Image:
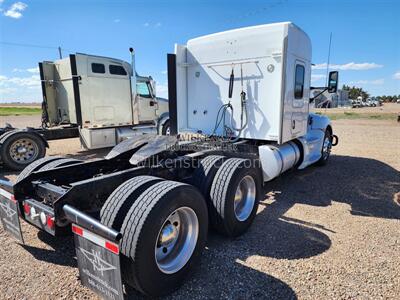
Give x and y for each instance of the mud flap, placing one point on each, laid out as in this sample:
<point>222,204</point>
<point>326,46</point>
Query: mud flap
<point>98,263</point>
<point>9,215</point>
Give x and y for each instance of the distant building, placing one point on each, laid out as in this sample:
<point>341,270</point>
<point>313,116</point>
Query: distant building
<point>328,100</point>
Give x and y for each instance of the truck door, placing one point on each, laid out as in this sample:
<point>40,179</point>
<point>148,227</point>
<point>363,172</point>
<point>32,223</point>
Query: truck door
<point>296,98</point>
<point>147,104</point>
<point>300,100</point>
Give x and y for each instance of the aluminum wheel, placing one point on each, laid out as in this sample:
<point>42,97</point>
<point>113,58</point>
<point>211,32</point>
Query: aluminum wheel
<point>177,240</point>
<point>326,147</point>
<point>168,130</point>
<point>245,197</point>
<point>24,151</point>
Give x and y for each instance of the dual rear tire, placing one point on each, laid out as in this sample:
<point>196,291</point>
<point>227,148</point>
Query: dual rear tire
<point>164,226</point>
<point>232,188</point>
<point>164,223</point>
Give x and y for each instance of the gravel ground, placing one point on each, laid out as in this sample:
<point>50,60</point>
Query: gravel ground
<point>322,233</point>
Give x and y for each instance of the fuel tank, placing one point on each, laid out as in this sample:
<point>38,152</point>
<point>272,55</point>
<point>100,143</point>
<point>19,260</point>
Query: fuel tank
<point>276,159</point>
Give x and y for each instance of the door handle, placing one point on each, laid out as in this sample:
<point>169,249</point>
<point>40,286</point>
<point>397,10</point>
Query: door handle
<point>152,103</point>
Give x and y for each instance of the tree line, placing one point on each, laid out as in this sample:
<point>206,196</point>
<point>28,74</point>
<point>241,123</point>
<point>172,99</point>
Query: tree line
<point>355,92</point>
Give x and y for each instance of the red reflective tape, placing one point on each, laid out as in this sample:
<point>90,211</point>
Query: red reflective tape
<point>112,247</point>
<point>77,230</point>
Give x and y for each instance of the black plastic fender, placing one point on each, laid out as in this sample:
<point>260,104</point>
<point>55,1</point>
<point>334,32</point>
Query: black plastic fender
<point>7,134</point>
<point>335,140</point>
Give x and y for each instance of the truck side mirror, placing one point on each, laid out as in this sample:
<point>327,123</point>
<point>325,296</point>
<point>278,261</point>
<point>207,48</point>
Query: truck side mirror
<point>333,81</point>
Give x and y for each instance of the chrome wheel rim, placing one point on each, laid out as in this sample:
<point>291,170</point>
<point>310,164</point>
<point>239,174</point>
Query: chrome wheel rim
<point>326,148</point>
<point>24,151</point>
<point>245,197</point>
<point>168,130</point>
<point>176,240</point>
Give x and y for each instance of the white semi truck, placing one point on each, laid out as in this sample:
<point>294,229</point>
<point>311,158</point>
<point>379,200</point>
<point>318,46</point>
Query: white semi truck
<point>102,100</point>
<point>239,113</point>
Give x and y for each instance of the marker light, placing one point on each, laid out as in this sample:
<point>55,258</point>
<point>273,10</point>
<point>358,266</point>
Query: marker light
<point>27,208</point>
<point>50,222</point>
<point>33,213</point>
<point>43,218</point>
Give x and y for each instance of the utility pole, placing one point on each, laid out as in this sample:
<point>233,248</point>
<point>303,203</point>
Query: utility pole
<point>329,57</point>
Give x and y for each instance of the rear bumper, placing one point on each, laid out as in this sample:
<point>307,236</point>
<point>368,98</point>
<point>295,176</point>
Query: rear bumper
<point>43,217</point>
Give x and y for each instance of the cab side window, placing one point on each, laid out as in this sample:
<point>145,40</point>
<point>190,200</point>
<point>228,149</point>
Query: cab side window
<point>299,82</point>
<point>98,68</point>
<point>143,89</point>
<point>117,70</point>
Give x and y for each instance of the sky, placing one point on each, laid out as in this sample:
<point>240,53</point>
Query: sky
<point>365,36</point>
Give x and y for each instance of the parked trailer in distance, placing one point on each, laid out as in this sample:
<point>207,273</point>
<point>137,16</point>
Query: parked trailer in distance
<point>102,100</point>
<point>239,110</point>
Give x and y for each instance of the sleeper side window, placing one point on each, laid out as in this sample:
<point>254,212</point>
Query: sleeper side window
<point>117,70</point>
<point>299,82</point>
<point>98,68</point>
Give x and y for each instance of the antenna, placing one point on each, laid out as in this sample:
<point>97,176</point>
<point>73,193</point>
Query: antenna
<point>329,57</point>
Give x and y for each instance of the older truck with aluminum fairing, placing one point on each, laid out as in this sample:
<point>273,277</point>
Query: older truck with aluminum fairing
<point>102,100</point>
<point>239,113</point>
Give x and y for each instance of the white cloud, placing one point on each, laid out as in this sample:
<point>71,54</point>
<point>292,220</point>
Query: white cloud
<point>317,77</point>
<point>7,91</point>
<point>348,66</point>
<point>162,90</point>
<point>34,70</point>
<point>15,10</point>
<point>155,25</point>
<point>117,20</point>
<point>396,75</point>
<point>380,81</point>
<point>22,89</point>
<point>18,70</point>
<point>33,80</point>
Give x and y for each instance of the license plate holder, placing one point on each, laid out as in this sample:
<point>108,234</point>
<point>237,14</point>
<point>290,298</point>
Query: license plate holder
<point>99,267</point>
<point>9,215</point>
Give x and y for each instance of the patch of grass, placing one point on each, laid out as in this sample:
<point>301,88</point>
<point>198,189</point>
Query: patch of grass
<point>19,111</point>
<point>366,116</point>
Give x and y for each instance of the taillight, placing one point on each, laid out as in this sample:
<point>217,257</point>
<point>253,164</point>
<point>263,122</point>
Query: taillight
<point>50,222</point>
<point>27,208</point>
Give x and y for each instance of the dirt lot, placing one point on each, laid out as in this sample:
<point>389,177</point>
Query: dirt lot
<point>322,233</point>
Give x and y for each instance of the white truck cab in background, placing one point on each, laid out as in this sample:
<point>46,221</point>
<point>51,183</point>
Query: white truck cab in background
<point>104,97</point>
